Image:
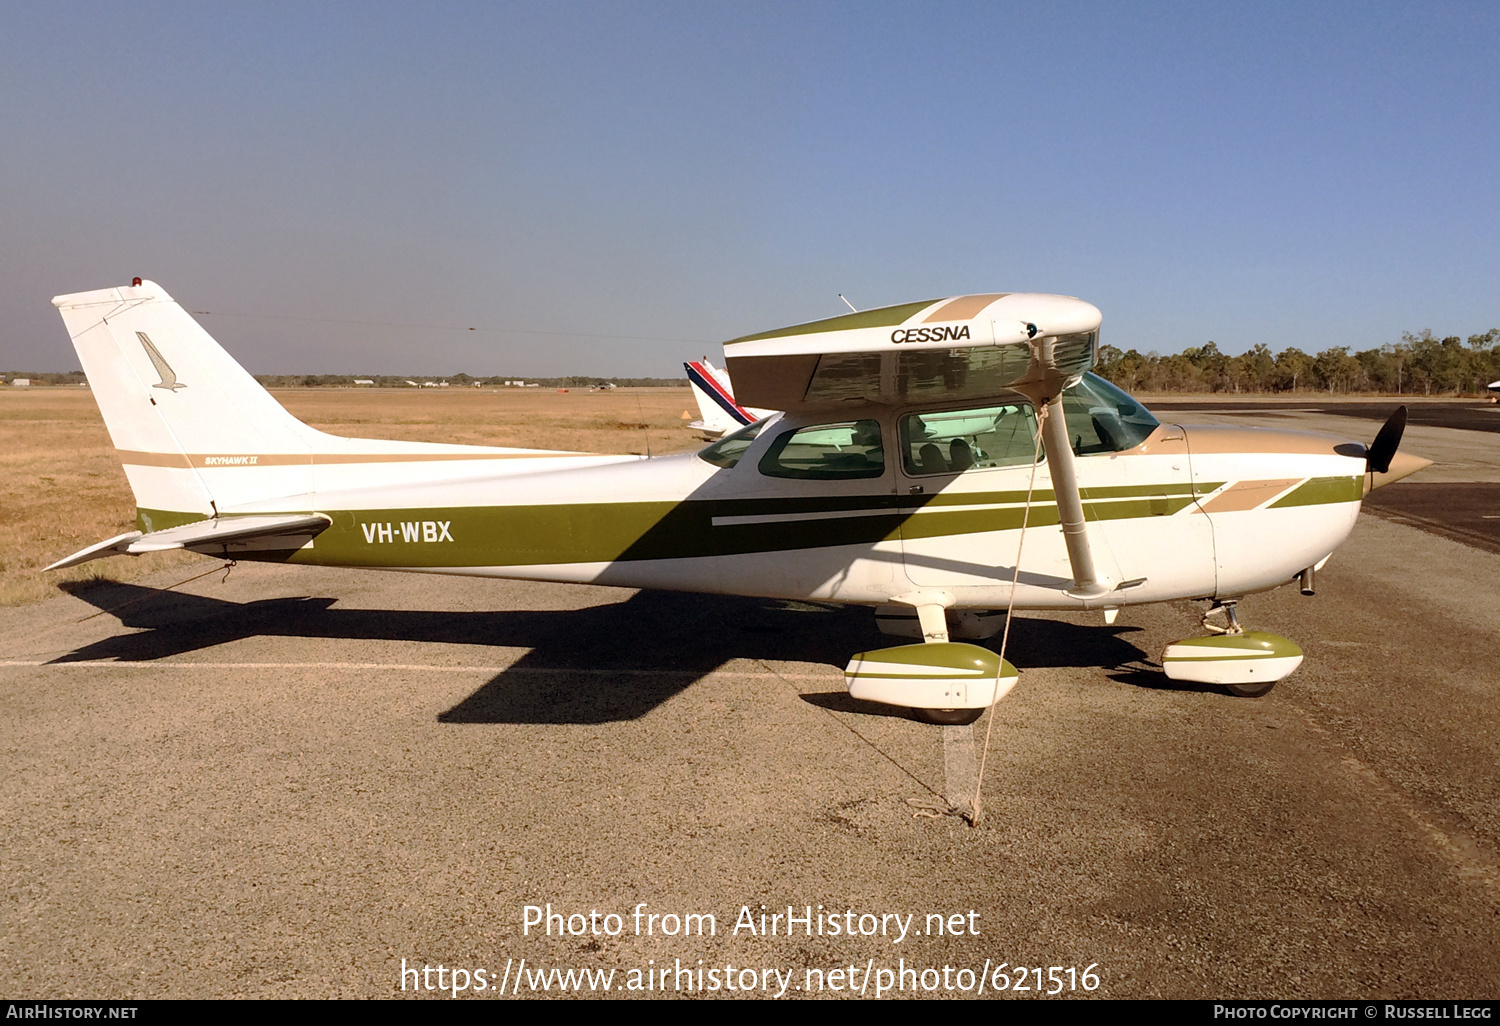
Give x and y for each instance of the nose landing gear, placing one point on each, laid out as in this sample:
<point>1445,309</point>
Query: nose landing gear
<point>1245,663</point>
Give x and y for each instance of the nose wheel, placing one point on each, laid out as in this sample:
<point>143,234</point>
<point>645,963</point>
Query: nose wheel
<point>1231,626</point>
<point>1244,663</point>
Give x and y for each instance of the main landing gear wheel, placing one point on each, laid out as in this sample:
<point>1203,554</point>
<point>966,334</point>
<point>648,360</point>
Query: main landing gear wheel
<point>1256,690</point>
<point>948,717</point>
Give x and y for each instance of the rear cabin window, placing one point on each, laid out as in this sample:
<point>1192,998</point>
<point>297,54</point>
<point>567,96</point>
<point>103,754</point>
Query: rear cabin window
<point>952,441</point>
<point>827,452</point>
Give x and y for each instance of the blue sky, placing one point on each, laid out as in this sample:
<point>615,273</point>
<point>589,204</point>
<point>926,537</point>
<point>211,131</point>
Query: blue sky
<point>611,188</point>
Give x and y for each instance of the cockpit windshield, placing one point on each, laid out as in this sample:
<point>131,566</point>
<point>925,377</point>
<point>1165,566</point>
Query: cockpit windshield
<point>1102,418</point>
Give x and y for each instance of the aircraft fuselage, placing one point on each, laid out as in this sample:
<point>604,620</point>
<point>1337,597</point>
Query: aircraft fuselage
<point>1187,512</point>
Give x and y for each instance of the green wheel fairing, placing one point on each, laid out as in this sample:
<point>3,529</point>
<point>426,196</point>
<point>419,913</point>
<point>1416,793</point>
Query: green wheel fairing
<point>965,660</point>
<point>1249,645</point>
<point>943,682</point>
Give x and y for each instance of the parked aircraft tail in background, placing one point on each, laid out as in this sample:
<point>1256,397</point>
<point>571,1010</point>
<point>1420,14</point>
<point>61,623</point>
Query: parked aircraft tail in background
<point>719,413</point>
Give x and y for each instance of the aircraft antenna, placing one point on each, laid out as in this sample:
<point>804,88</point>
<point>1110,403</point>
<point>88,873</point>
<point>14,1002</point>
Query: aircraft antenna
<point>848,304</point>
<point>641,409</point>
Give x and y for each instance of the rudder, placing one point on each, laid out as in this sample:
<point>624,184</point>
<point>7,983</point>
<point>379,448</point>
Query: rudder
<point>174,402</point>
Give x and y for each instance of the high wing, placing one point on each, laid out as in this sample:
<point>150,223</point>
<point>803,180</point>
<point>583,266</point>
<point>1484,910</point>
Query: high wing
<point>962,347</point>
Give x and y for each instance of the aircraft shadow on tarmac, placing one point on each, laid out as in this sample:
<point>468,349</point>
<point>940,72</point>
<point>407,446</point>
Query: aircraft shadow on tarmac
<point>596,664</point>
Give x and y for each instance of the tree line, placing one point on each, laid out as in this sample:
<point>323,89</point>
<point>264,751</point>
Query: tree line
<point>1419,364</point>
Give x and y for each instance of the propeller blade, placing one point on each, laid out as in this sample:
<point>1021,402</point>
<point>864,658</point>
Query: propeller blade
<point>1378,455</point>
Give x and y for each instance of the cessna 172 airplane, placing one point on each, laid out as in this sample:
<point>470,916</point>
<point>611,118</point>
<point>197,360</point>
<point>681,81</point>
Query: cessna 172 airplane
<point>951,459</point>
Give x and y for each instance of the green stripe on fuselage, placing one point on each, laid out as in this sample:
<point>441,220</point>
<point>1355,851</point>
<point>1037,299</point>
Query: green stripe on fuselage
<point>1318,491</point>
<point>626,531</point>
<point>607,532</point>
<point>575,533</point>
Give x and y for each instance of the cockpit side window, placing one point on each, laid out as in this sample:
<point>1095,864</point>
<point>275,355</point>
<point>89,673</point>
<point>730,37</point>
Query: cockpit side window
<point>726,452</point>
<point>1101,418</point>
<point>827,452</point>
<point>952,441</point>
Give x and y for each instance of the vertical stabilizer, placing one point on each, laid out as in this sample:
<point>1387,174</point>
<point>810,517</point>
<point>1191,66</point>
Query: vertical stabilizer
<point>175,403</point>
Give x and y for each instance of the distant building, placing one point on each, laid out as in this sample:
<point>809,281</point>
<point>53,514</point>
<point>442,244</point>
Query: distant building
<point>20,382</point>
<point>364,381</point>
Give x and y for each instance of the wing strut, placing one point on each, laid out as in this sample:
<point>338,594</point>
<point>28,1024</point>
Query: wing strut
<point>1086,583</point>
<point>1058,361</point>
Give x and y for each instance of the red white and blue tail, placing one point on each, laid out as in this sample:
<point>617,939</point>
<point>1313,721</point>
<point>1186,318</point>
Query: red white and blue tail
<point>716,406</point>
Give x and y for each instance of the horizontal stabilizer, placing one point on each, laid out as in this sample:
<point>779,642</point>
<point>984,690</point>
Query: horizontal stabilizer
<point>113,547</point>
<point>266,532</point>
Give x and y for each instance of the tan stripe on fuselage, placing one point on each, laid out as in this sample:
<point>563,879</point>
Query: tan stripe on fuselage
<point>964,307</point>
<point>213,460</point>
<point>1247,495</point>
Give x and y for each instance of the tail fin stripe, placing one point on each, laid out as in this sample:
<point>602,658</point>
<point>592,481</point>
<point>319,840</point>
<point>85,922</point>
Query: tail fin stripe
<point>716,392</point>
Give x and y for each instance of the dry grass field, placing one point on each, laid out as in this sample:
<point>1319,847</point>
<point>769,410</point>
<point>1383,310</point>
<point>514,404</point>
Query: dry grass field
<point>62,487</point>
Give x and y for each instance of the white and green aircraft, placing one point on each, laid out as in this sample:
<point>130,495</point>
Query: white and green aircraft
<point>942,461</point>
